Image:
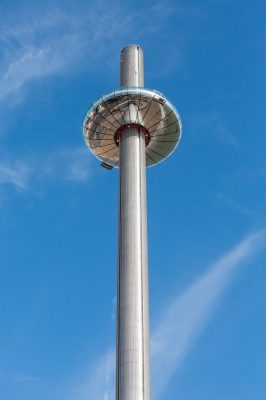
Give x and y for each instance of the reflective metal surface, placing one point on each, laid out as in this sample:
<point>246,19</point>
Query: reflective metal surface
<point>133,359</point>
<point>131,66</point>
<point>133,338</point>
<point>154,112</point>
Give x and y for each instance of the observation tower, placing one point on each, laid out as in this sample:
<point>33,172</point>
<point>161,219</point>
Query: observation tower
<point>132,128</point>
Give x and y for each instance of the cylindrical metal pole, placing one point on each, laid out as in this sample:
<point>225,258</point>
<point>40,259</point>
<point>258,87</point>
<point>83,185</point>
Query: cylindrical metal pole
<point>131,67</point>
<point>133,358</point>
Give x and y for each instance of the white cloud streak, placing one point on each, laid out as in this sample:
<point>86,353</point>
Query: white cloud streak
<point>42,43</point>
<point>21,377</point>
<point>15,174</point>
<point>55,41</point>
<point>180,325</point>
<point>187,315</point>
<point>31,65</point>
<point>99,383</point>
<point>66,165</point>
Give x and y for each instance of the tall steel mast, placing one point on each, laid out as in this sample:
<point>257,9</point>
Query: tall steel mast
<point>132,128</point>
<point>133,358</point>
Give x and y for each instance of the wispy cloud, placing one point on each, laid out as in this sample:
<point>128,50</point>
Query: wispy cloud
<point>16,174</point>
<point>67,164</point>
<point>21,377</point>
<point>187,315</point>
<point>55,41</point>
<point>98,383</point>
<point>41,43</point>
<point>31,49</point>
<point>213,126</point>
<point>180,325</point>
<point>32,64</point>
<point>30,174</point>
<point>225,136</point>
<point>239,206</point>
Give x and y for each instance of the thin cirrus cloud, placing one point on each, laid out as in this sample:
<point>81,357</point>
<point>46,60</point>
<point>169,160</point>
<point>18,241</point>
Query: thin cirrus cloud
<point>16,174</point>
<point>56,41</point>
<point>64,165</point>
<point>69,165</point>
<point>187,315</point>
<point>99,382</point>
<point>21,377</point>
<point>179,327</point>
<point>31,65</point>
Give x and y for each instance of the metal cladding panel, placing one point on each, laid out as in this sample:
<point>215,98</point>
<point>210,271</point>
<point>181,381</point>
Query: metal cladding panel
<point>132,353</point>
<point>154,112</point>
<point>133,363</point>
<point>131,66</point>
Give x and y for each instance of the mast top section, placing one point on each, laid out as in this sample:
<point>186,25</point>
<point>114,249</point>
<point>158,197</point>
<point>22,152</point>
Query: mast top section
<point>131,66</point>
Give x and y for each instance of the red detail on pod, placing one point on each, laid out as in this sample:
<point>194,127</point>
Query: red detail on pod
<point>141,128</point>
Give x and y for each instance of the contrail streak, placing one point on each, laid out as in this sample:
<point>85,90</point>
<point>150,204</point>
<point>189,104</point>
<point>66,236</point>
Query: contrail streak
<point>187,314</point>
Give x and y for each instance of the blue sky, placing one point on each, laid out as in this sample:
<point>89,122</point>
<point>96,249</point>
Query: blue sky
<point>207,202</point>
